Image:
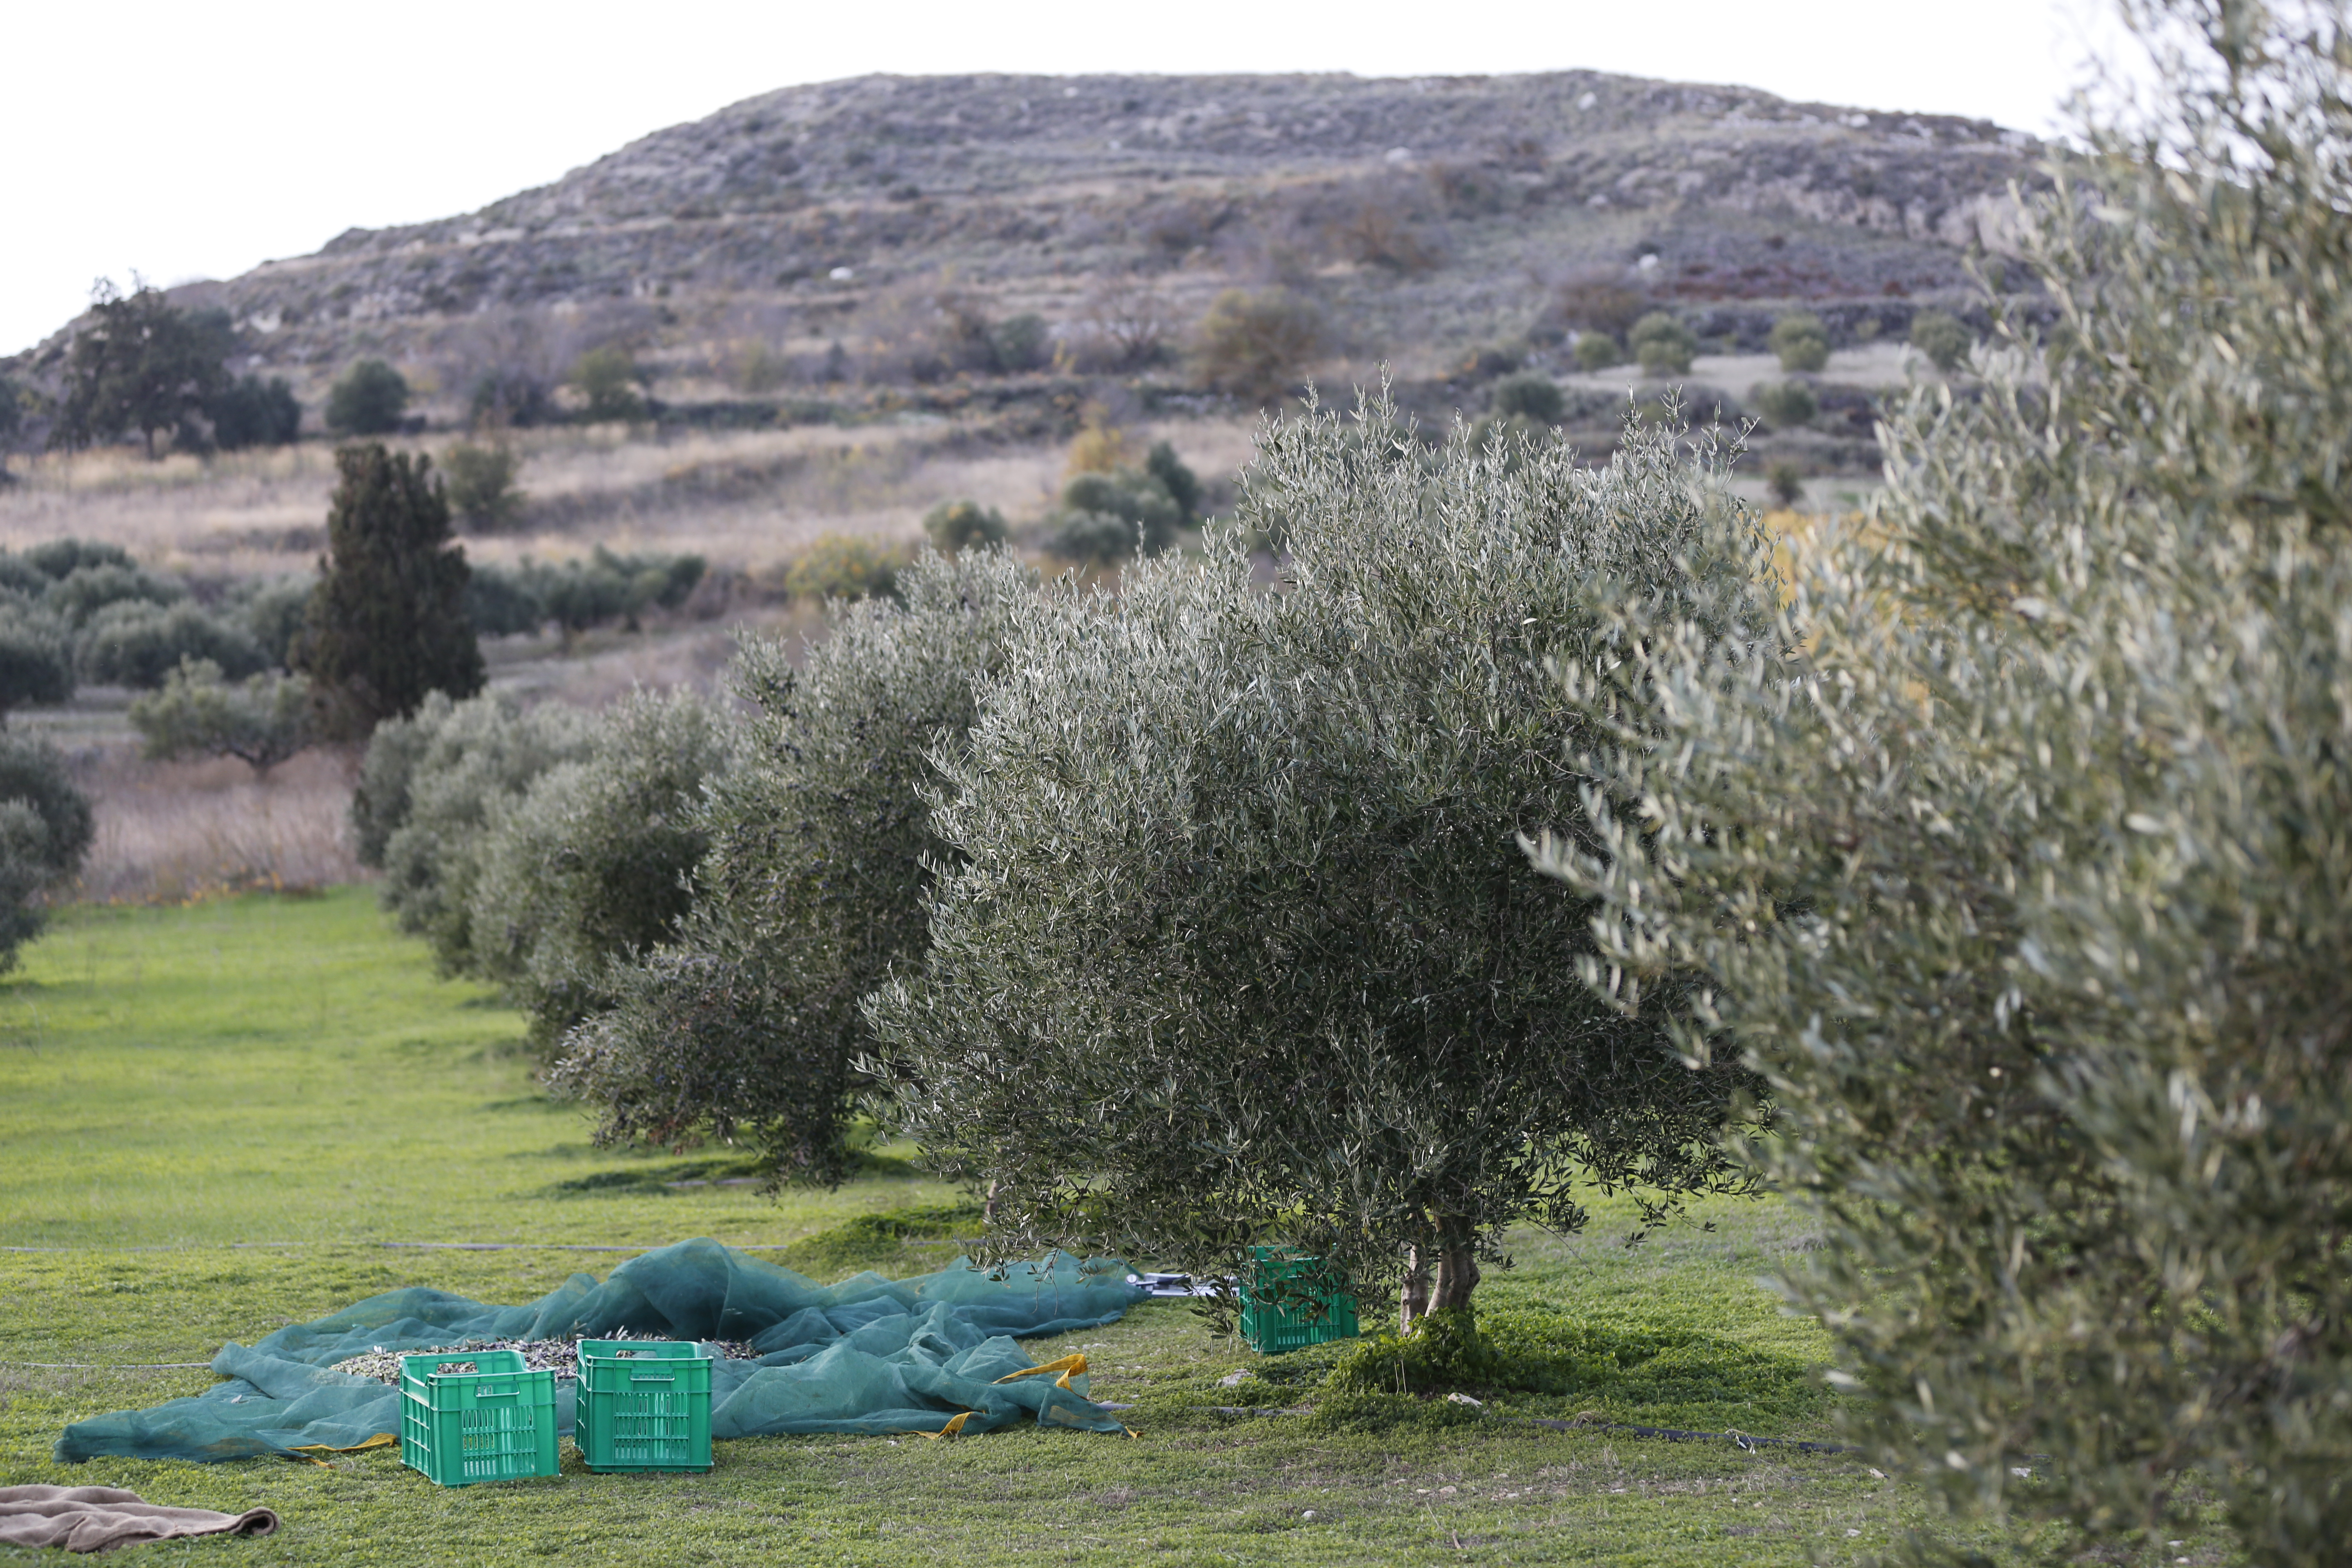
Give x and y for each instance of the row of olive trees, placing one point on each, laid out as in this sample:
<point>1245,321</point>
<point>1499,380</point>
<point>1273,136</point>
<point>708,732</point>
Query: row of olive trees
<point>1981,888</point>
<point>534,847</point>
<point>1192,916</point>
<point>76,610</point>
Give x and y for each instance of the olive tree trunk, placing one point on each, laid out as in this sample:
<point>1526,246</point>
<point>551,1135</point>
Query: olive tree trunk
<point>1441,1274</point>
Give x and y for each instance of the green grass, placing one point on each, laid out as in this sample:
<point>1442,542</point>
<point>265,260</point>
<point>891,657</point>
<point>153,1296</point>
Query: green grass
<point>221,1118</point>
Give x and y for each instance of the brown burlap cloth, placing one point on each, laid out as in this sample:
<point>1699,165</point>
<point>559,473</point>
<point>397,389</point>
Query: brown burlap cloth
<point>99,1519</point>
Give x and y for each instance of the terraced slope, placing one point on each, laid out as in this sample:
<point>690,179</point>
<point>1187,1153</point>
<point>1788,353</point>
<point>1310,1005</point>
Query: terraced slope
<point>1430,216</point>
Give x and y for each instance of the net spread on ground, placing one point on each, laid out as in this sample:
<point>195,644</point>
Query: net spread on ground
<point>869,1354</point>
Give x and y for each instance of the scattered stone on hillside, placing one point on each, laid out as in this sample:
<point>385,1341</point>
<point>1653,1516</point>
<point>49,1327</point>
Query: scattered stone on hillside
<point>807,213</point>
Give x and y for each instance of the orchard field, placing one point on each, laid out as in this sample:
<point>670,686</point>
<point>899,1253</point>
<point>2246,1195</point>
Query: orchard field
<point>223,1117</point>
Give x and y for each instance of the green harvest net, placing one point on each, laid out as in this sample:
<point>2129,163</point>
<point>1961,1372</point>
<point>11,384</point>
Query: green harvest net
<point>869,1354</point>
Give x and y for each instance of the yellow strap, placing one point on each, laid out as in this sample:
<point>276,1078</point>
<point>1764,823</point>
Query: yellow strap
<point>1069,1366</point>
<point>953,1429</point>
<point>381,1440</point>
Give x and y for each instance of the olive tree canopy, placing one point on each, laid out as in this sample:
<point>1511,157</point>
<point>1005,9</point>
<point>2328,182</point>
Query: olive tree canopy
<point>2027,877</point>
<point>1241,945</point>
<point>820,847</point>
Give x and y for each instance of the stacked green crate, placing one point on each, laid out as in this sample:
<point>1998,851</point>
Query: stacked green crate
<point>644,1404</point>
<point>468,1416</point>
<point>1290,1300</point>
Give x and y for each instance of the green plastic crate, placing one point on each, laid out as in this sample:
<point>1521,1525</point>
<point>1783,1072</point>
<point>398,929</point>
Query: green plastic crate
<point>1290,1300</point>
<point>461,1428</point>
<point>645,1404</point>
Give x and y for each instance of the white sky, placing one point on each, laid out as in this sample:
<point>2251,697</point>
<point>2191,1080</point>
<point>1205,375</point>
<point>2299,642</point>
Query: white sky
<point>193,141</point>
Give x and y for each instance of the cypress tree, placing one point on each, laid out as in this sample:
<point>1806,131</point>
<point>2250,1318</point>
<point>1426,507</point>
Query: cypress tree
<point>387,624</point>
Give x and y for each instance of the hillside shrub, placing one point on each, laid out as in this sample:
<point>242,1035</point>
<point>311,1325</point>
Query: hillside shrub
<point>1597,352</point>
<point>608,586</point>
<point>594,863</point>
<point>1663,345</point>
<point>273,610</point>
<point>1098,448</point>
<point>576,595</point>
<point>250,412</point>
<point>35,657</point>
<point>1126,324</point>
<point>1236,874</point>
<point>1257,346</point>
<point>754,368</point>
<point>926,331</point>
<point>45,829</point>
<point>1386,230</point>
<point>822,854</point>
<point>500,602</point>
<point>427,797</point>
<point>197,713</point>
<point>1103,517</point>
<point>1801,342</point>
<point>1942,338</point>
<point>1531,396</point>
<point>55,559</point>
<point>2029,881</point>
<point>510,396</point>
<point>607,380</point>
<point>954,525</point>
<point>481,479</point>
<point>1784,481</point>
<point>1175,477</point>
<point>14,414</point>
<point>1786,405</point>
<point>369,399</point>
<point>1021,342</point>
<point>138,644</point>
<point>1598,302</point>
<point>845,566</point>
<point>387,624</point>
<point>80,592</point>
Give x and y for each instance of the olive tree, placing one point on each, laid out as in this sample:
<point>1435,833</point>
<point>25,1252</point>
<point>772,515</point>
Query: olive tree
<point>592,862</point>
<point>199,712</point>
<point>1241,947</point>
<point>821,850</point>
<point>35,656</point>
<point>427,794</point>
<point>2024,870</point>
<point>46,828</point>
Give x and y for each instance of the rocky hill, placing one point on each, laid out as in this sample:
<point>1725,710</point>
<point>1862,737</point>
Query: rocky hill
<point>1428,218</point>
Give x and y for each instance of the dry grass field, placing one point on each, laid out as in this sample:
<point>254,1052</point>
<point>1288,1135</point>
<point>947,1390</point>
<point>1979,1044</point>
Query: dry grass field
<point>746,500</point>
<point>183,832</point>
<point>749,502</point>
